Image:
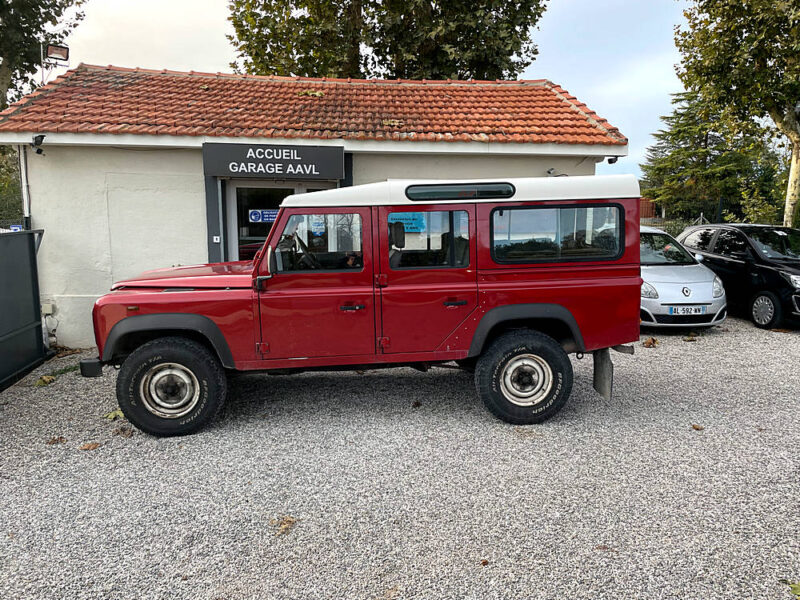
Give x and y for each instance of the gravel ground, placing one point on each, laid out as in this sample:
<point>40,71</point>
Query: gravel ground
<point>402,486</point>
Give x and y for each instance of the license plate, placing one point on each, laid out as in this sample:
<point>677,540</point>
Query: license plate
<point>687,310</point>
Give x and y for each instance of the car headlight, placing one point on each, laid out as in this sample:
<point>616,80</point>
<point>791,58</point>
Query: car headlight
<point>719,291</point>
<point>793,279</point>
<point>648,291</point>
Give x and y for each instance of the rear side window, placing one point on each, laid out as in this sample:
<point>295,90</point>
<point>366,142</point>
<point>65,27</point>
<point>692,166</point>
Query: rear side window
<point>700,239</point>
<point>729,243</point>
<point>428,239</point>
<point>564,233</point>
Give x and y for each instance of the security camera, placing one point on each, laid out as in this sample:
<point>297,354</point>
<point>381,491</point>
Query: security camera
<point>38,140</point>
<point>551,172</point>
<point>612,159</point>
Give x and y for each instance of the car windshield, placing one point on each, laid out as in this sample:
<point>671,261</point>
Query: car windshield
<point>662,249</point>
<point>777,243</point>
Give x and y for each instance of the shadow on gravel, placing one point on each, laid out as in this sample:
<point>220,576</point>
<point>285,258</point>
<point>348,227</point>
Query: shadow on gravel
<point>350,392</point>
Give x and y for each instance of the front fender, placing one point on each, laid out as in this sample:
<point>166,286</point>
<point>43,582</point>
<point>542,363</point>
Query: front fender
<point>169,322</point>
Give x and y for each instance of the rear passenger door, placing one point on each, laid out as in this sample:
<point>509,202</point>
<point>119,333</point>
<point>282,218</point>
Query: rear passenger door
<point>427,278</point>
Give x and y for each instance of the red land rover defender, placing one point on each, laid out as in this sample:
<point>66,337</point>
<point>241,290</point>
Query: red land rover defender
<point>503,277</point>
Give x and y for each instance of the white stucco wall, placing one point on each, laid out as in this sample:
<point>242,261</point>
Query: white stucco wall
<point>108,214</point>
<point>111,213</point>
<point>369,168</point>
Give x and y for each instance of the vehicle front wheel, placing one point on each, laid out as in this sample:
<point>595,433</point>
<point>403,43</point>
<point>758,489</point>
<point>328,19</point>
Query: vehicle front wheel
<point>171,386</point>
<point>524,377</point>
<point>765,310</point>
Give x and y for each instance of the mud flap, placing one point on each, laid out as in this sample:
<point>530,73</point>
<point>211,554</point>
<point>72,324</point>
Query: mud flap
<point>603,373</point>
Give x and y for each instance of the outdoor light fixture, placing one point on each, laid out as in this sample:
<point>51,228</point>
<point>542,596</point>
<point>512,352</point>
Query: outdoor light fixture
<point>38,140</point>
<point>57,52</point>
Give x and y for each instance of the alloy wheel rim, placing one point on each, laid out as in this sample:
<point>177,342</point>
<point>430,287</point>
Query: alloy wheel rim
<point>526,380</point>
<point>169,390</point>
<point>763,310</point>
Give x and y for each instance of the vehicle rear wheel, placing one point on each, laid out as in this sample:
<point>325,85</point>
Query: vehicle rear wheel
<point>765,310</point>
<point>524,377</point>
<point>171,386</point>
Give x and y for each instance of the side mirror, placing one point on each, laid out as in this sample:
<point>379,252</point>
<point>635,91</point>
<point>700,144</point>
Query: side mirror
<point>698,257</point>
<point>260,280</point>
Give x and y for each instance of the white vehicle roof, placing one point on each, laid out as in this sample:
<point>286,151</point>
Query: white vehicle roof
<point>393,191</point>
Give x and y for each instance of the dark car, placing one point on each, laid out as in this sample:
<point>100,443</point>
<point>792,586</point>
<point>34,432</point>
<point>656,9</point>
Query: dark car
<point>758,264</point>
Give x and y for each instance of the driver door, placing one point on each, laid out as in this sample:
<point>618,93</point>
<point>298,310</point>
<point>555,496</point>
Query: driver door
<point>320,300</point>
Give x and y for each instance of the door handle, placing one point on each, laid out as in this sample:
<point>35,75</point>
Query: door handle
<point>352,307</point>
<point>454,302</point>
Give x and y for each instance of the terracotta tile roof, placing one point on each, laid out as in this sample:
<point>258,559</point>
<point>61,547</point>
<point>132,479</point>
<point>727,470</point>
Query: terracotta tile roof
<point>93,99</point>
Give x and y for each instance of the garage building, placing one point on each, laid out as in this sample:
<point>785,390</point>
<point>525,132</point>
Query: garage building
<point>132,169</point>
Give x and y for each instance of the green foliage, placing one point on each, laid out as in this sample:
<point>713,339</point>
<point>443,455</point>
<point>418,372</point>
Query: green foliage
<point>23,25</point>
<point>482,39</point>
<point>297,37</point>
<point>458,39</point>
<point>10,195</point>
<point>699,159</point>
<point>744,58</point>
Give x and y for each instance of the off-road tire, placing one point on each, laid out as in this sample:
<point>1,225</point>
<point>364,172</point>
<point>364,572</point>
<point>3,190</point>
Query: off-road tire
<point>777,313</point>
<point>515,348</point>
<point>196,360</point>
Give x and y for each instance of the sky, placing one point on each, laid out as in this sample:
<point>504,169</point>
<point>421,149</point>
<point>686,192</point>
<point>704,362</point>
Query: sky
<point>616,56</point>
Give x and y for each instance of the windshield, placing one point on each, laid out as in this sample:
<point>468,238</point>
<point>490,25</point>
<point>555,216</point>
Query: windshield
<point>661,249</point>
<point>777,243</point>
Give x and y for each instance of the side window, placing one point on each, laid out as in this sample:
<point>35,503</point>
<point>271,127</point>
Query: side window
<point>428,239</point>
<point>700,239</point>
<point>730,243</point>
<point>567,233</point>
<point>329,242</point>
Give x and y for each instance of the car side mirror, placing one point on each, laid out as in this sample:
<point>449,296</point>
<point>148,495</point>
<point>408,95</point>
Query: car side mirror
<point>698,257</point>
<point>260,280</point>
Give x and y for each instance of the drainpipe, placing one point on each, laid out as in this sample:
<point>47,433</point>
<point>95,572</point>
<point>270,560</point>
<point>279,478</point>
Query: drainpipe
<point>23,180</point>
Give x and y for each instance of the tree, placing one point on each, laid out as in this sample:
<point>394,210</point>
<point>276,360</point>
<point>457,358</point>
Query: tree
<point>10,195</point>
<point>24,25</point>
<point>744,57</point>
<point>482,39</point>
<point>297,37</point>
<point>457,39</point>
<point>701,162</point>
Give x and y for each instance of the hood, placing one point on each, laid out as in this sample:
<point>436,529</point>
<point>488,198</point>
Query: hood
<point>677,274</point>
<point>216,275</point>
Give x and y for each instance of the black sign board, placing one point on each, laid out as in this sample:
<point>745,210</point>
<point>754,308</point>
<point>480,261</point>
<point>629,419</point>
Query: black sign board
<point>267,161</point>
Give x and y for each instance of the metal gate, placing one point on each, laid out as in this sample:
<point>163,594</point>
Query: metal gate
<point>21,342</point>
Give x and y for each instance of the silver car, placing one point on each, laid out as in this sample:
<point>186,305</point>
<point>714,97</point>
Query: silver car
<point>677,290</point>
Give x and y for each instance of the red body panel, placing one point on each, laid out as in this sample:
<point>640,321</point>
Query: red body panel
<point>298,320</point>
<point>232,310</point>
<point>304,314</point>
<point>415,317</point>
<point>217,275</point>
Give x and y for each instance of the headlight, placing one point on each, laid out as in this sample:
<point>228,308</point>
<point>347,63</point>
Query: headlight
<point>719,291</point>
<point>648,291</point>
<point>793,279</point>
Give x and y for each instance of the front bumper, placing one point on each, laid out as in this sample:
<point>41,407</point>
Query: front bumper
<point>91,367</point>
<point>655,314</point>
